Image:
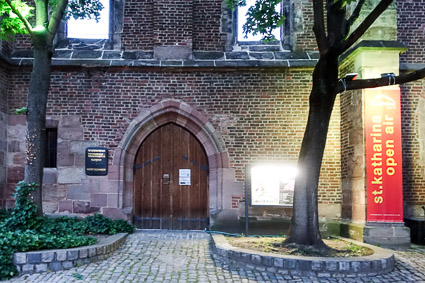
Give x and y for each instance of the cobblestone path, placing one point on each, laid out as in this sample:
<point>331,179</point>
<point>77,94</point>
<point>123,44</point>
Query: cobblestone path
<point>185,256</point>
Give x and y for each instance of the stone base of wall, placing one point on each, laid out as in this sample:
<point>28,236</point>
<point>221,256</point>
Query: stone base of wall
<point>54,260</point>
<point>388,235</point>
<point>381,262</point>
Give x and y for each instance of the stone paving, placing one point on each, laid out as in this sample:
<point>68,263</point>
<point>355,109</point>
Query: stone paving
<point>185,256</point>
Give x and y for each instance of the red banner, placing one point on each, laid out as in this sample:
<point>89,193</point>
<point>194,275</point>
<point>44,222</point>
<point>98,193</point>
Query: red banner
<point>383,155</point>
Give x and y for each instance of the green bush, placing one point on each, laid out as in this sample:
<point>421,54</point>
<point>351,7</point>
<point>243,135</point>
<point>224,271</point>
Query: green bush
<point>22,241</point>
<point>99,224</point>
<point>22,230</point>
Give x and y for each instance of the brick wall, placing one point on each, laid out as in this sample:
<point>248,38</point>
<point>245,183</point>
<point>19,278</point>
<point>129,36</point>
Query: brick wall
<point>260,115</point>
<point>3,133</point>
<point>5,47</point>
<point>303,37</point>
<point>138,25</point>
<point>173,23</point>
<point>207,21</point>
<point>413,124</point>
<point>411,29</point>
<point>196,23</point>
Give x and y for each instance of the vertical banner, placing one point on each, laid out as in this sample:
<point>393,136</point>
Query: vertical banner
<point>383,155</point>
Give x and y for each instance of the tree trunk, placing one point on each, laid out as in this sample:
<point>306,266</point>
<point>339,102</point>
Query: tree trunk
<point>36,118</point>
<point>304,228</point>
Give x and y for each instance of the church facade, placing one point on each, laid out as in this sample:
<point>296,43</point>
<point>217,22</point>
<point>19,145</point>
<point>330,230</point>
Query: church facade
<point>179,106</point>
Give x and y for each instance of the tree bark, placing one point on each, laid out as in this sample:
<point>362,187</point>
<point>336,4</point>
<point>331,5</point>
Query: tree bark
<point>36,116</point>
<point>304,228</point>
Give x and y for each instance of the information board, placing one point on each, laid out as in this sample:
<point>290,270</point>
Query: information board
<point>96,161</point>
<point>272,185</point>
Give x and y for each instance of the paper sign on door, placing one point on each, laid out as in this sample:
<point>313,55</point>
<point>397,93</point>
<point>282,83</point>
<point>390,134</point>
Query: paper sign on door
<point>184,177</point>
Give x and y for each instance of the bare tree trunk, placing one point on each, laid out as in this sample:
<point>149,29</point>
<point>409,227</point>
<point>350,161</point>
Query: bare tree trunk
<point>36,118</point>
<point>305,221</point>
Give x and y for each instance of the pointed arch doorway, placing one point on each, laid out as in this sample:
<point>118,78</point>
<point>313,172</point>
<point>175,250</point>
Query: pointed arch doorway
<point>171,181</point>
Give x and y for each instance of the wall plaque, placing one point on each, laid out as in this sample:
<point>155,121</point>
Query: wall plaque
<point>96,161</point>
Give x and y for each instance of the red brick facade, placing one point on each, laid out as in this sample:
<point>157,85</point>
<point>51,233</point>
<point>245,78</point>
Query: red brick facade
<point>249,103</point>
<point>411,29</point>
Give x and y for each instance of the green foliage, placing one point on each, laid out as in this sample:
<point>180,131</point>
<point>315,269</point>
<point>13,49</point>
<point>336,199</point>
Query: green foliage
<point>21,230</point>
<point>99,224</point>
<point>262,18</point>
<point>21,241</point>
<point>24,214</point>
<point>84,9</point>
<point>232,4</point>
<point>22,110</point>
<point>10,24</point>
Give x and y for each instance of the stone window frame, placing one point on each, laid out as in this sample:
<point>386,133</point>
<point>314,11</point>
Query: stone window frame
<point>116,21</point>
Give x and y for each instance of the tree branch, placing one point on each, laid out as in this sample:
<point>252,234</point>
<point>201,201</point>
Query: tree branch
<point>56,18</point>
<point>364,26</point>
<point>319,26</point>
<point>378,82</point>
<point>41,12</point>
<point>21,17</point>
<point>356,13</point>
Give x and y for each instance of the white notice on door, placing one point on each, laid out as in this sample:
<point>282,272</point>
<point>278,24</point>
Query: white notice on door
<point>184,177</point>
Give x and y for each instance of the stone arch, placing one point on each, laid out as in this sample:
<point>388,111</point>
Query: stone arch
<point>182,114</point>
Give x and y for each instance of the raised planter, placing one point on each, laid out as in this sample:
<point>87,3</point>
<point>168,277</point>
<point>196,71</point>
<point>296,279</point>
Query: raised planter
<point>381,262</point>
<point>54,260</point>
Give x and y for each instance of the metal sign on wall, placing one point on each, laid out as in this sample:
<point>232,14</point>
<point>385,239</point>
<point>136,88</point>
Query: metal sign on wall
<point>383,155</point>
<point>96,161</point>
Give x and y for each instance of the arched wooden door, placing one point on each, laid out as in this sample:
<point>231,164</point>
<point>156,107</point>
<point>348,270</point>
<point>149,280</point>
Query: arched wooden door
<point>171,181</point>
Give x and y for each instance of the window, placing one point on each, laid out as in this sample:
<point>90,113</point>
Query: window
<point>241,20</point>
<point>90,29</point>
<point>51,147</point>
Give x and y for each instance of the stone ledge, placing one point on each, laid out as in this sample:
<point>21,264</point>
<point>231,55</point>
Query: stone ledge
<point>381,262</point>
<point>54,260</point>
<point>197,59</point>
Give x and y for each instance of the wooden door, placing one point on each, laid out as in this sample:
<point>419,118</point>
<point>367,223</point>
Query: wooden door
<point>163,197</point>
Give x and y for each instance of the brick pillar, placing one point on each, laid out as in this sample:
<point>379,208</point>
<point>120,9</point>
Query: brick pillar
<point>370,59</point>
<point>377,53</point>
<point>173,24</point>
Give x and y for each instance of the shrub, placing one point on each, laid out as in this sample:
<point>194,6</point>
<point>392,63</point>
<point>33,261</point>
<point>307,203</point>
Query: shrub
<point>13,241</point>
<point>24,214</point>
<point>99,224</point>
<point>22,230</point>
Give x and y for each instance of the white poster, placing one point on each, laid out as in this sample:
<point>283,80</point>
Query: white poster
<point>184,177</point>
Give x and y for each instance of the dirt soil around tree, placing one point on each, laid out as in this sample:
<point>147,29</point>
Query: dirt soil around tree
<point>336,247</point>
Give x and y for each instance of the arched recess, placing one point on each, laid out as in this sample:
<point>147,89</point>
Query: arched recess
<point>182,114</point>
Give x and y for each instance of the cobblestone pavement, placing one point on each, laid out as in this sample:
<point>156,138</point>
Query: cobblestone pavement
<point>185,256</point>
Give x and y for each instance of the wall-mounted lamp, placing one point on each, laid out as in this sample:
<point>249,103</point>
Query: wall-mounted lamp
<point>348,77</point>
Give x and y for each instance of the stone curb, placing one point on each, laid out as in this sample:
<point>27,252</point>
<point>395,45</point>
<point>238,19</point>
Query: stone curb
<point>381,262</point>
<point>54,260</point>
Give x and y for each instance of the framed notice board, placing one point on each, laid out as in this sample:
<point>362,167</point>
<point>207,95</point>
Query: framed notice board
<point>96,161</point>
